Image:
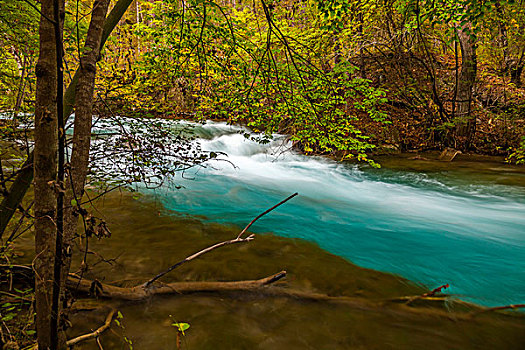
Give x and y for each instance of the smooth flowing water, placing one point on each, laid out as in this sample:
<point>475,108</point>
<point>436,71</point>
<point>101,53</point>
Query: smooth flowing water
<point>461,224</point>
<point>146,240</point>
<point>432,222</point>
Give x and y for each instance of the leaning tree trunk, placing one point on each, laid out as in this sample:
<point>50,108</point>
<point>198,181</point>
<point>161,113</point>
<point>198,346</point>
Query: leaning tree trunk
<point>82,131</point>
<point>45,173</point>
<point>465,85</point>
<point>24,178</point>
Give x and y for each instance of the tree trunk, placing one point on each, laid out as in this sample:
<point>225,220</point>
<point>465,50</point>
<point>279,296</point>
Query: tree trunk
<point>515,72</point>
<point>45,172</point>
<point>82,130</point>
<point>24,178</point>
<point>512,66</point>
<point>22,88</point>
<point>466,127</point>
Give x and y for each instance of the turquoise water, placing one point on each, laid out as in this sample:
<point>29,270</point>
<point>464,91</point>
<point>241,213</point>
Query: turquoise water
<point>434,228</point>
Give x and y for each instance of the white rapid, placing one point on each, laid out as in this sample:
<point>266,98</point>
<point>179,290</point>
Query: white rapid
<point>457,227</point>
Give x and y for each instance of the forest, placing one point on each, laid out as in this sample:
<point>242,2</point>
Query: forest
<point>267,146</point>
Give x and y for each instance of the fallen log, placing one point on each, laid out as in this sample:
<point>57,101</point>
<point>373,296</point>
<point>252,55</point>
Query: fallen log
<point>260,287</point>
<point>142,292</point>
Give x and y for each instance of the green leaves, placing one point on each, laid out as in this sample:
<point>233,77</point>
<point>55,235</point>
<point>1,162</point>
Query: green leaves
<point>517,155</point>
<point>181,327</point>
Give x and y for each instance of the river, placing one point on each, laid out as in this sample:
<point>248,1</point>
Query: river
<point>461,224</point>
<point>423,222</point>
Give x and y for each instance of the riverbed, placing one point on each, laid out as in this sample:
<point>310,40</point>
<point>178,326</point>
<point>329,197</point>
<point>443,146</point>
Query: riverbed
<point>146,238</point>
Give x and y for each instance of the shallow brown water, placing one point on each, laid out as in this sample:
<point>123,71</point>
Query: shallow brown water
<point>488,169</point>
<point>146,241</point>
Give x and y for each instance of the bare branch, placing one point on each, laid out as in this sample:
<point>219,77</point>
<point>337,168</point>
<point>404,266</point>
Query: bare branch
<point>196,255</point>
<point>264,213</point>
<point>238,239</point>
<point>96,333</point>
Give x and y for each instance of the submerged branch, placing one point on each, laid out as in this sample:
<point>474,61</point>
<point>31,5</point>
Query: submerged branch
<point>141,292</point>
<point>260,287</point>
<point>196,255</point>
<point>497,308</point>
<point>429,296</point>
<point>96,333</point>
<point>238,239</point>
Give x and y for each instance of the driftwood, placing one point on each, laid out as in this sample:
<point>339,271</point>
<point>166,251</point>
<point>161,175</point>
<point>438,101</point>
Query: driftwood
<point>96,333</point>
<point>141,292</point>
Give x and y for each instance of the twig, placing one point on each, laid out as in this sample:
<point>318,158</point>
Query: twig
<point>264,213</point>
<point>16,297</point>
<point>497,308</point>
<point>95,334</point>
<point>99,344</point>
<point>238,239</point>
<point>428,295</point>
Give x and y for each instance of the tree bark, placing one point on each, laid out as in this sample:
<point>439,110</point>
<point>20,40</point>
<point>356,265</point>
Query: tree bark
<point>512,65</point>
<point>45,172</point>
<point>467,77</point>
<point>82,131</point>
<point>141,292</point>
<point>22,88</point>
<point>23,179</point>
<point>16,193</point>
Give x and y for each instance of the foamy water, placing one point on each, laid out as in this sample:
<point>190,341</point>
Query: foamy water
<point>469,235</point>
<point>430,228</point>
